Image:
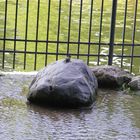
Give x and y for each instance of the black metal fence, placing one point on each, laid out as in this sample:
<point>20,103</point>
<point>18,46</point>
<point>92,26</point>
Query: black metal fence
<point>35,34</point>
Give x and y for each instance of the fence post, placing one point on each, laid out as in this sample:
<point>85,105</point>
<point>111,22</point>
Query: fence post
<point>112,31</point>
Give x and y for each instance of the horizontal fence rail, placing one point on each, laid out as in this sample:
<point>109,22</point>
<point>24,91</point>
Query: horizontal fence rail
<point>36,33</point>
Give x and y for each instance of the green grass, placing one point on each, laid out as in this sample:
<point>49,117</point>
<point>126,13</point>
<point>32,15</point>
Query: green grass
<point>63,36</point>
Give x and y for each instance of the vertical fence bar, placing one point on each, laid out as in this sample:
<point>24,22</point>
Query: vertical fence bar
<point>47,35</point>
<point>37,29</point>
<point>16,15</point>
<point>124,30</point>
<point>100,32</point>
<point>26,33</point>
<point>90,27</point>
<point>69,26</point>
<point>133,34</point>
<point>58,31</point>
<point>79,33</point>
<point>112,31</point>
<point>4,38</point>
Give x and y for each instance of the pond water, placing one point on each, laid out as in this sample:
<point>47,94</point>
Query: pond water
<point>115,115</point>
<point>30,60</point>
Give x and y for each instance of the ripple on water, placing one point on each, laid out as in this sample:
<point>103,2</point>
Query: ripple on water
<point>114,116</point>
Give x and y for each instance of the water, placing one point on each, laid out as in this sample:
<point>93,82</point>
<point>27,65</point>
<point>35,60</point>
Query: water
<point>115,116</point>
<point>53,30</point>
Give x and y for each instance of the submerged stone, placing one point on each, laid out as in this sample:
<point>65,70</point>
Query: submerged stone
<point>134,84</point>
<point>111,76</point>
<point>66,83</point>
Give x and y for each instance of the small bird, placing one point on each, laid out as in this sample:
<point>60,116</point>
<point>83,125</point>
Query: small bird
<point>67,60</point>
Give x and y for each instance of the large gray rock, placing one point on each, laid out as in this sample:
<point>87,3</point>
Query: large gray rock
<point>66,83</point>
<point>111,76</point>
<point>134,84</point>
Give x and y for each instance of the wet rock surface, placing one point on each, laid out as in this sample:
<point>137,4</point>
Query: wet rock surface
<point>134,84</point>
<point>64,83</point>
<point>111,76</point>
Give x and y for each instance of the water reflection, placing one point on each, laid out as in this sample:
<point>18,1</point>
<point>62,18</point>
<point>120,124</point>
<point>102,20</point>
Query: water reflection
<point>114,116</point>
<point>109,119</point>
<point>57,113</point>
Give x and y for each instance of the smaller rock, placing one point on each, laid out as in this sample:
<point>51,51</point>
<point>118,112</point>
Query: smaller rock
<point>111,76</point>
<point>134,84</point>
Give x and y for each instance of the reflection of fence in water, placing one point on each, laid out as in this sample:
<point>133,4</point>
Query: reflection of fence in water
<point>35,33</point>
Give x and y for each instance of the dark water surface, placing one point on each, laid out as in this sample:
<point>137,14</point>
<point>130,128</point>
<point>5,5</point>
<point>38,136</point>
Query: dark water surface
<point>115,116</point>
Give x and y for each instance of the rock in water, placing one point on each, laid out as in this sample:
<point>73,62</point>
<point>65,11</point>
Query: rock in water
<point>66,83</point>
<point>134,84</point>
<point>111,76</point>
